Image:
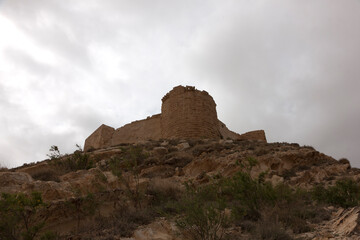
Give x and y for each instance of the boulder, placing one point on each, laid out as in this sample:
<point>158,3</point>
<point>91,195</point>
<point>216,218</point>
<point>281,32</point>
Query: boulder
<point>11,182</point>
<point>160,151</point>
<point>85,181</point>
<point>183,146</point>
<point>158,230</point>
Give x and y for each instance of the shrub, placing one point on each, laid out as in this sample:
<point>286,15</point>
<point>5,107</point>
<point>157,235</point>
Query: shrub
<point>82,206</point>
<point>345,193</point>
<point>250,197</point>
<point>247,195</point>
<point>121,223</point>
<point>291,216</point>
<point>344,161</point>
<point>164,195</point>
<point>65,163</point>
<point>3,169</point>
<point>46,175</point>
<point>270,230</point>
<point>203,213</point>
<point>130,163</point>
<point>79,161</point>
<point>19,216</point>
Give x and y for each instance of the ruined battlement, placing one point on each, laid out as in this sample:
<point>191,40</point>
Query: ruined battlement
<point>186,113</point>
<point>179,90</point>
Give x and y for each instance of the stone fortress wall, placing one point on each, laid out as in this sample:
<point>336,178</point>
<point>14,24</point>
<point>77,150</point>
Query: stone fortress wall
<point>186,113</point>
<point>145,129</point>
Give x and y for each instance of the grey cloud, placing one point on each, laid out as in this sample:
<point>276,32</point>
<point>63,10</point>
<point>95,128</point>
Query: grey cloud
<point>289,67</point>
<point>295,75</point>
<point>25,61</point>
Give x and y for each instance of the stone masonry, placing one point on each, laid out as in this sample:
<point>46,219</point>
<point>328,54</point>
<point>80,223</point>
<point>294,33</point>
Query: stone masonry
<point>186,113</point>
<point>189,113</point>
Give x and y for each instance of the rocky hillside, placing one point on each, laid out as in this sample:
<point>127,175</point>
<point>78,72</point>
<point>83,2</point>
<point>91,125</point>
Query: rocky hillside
<point>183,189</point>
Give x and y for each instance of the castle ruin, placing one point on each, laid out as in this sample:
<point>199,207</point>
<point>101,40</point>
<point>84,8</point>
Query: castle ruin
<point>186,113</point>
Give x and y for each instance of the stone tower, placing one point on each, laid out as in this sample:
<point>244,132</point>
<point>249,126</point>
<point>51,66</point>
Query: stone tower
<point>187,113</point>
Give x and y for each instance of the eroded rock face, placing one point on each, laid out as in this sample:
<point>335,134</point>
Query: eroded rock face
<point>13,181</point>
<point>36,169</point>
<point>347,221</point>
<point>71,185</point>
<point>85,181</point>
<point>186,113</point>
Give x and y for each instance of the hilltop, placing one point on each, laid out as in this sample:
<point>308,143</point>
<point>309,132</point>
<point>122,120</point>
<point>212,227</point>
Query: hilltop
<point>178,175</point>
<point>158,180</point>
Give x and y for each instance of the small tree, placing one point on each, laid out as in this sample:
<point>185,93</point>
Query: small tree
<point>54,153</point>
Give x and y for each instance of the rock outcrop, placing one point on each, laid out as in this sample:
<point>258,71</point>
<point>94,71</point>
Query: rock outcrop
<point>186,113</point>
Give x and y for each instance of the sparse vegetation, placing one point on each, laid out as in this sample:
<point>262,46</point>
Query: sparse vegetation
<point>164,196</point>
<point>54,153</point>
<point>270,230</point>
<point>210,206</point>
<point>20,218</point>
<point>67,163</point>
<point>251,201</point>
<point>345,193</point>
<point>79,161</point>
<point>3,169</point>
<point>46,175</point>
<point>121,223</point>
<point>202,212</point>
<point>82,206</point>
<point>127,169</point>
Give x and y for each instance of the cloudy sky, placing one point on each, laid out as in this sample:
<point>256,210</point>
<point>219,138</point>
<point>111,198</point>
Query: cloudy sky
<point>290,67</point>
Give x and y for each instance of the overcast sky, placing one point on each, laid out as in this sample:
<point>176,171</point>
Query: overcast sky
<point>290,67</point>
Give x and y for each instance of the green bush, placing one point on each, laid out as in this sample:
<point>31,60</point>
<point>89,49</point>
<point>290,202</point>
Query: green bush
<point>345,193</point>
<point>46,175</point>
<point>130,162</point>
<point>202,213</point>
<point>74,162</point>
<point>164,196</point>
<point>249,199</point>
<point>19,216</point>
<point>270,230</point>
<point>122,222</point>
<point>79,161</point>
<point>247,195</point>
<point>82,206</point>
